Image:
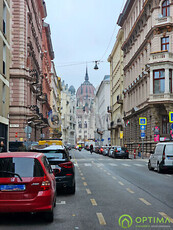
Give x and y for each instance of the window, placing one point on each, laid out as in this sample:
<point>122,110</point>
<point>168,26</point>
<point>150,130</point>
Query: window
<point>4,59</point>
<point>4,18</point>
<point>159,81</point>
<point>166,8</point>
<point>165,124</point>
<point>3,93</point>
<point>165,43</point>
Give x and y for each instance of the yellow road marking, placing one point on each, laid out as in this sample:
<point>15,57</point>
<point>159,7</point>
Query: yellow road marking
<point>84,183</point>
<point>144,201</point>
<point>120,183</point>
<point>93,202</point>
<point>101,219</point>
<point>83,178</point>
<point>114,177</point>
<point>166,216</point>
<point>129,190</point>
<point>88,191</point>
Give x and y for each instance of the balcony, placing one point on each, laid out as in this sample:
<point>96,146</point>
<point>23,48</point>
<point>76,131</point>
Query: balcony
<point>160,57</point>
<point>119,99</point>
<point>162,20</point>
<point>109,109</point>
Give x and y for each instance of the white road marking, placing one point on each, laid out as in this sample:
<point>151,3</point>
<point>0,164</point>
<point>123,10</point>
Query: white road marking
<point>126,165</point>
<point>62,202</point>
<point>113,164</point>
<point>139,165</point>
<point>88,164</point>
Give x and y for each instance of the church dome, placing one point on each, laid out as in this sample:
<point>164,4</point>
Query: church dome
<point>86,90</point>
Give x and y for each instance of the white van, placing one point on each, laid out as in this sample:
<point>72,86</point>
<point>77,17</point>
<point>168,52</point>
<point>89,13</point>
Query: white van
<point>162,157</point>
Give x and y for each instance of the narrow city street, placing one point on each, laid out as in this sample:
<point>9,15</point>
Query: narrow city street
<point>107,188</point>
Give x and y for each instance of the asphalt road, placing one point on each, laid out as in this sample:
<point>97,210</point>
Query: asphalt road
<point>106,190</point>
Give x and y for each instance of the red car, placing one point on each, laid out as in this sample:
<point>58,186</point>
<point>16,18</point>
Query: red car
<point>27,184</point>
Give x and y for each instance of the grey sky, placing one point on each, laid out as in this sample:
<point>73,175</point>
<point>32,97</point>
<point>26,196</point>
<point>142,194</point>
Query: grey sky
<point>81,31</point>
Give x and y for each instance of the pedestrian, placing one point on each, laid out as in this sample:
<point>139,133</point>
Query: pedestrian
<point>22,148</point>
<point>2,147</point>
<point>126,150</point>
<point>139,151</point>
<point>91,148</point>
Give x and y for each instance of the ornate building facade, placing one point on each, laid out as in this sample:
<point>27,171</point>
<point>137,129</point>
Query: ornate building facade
<point>85,111</point>
<point>4,68</point>
<point>148,69</point>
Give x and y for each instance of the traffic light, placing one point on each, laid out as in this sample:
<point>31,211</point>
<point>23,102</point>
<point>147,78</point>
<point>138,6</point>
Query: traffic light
<point>16,134</point>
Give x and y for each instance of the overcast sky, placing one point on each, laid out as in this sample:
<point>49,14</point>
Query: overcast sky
<point>81,31</point>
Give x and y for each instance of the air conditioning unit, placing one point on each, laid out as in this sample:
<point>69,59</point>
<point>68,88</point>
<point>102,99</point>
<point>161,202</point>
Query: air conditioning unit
<point>119,99</point>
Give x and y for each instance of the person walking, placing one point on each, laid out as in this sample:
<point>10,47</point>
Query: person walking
<point>91,148</point>
<point>2,147</point>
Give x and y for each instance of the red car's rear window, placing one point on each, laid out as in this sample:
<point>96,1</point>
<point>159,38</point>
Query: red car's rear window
<point>25,167</point>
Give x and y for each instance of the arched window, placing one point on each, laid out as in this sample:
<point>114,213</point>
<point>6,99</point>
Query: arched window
<point>166,8</point>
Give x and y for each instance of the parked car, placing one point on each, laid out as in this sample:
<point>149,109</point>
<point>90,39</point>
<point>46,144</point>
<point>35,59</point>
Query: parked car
<point>162,157</point>
<point>63,167</point>
<point>27,184</point>
<point>106,150</point>
<point>111,151</point>
<point>120,152</point>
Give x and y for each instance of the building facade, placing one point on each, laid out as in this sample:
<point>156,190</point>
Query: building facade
<point>4,68</point>
<point>55,101</point>
<point>102,117</point>
<point>148,64</point>
<point>85,111</point>
<point>27,96</point>
<point>116,125</point>
<point>68,114</point>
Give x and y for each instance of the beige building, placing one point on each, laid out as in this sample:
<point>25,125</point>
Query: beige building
<point>55,100</point>
<point>148,64</point>
<point>116,89</point>
<point>4,68</point>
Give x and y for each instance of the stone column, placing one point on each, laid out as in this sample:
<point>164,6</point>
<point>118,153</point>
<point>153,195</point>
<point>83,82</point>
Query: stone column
<point>167,81</point>
<point>151,82</point>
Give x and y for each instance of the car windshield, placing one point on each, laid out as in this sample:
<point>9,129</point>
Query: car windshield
<point>119,148</point>
<point>25,167</point>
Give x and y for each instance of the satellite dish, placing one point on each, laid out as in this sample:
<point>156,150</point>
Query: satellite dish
<point>54,120</point>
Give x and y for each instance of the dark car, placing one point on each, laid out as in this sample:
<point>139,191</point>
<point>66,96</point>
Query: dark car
<point>27,184</point>
<point>120,152</point>
<point>62,166</point>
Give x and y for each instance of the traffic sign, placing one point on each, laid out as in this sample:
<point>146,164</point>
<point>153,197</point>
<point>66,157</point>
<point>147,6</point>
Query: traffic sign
<point>143,127</point>
<point>121,134</point>
<point>142,135</point>
<point>143,121</point>
<point>171,117</point>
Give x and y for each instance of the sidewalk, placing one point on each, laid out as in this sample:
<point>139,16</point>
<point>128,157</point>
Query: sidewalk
<point>145,156</point>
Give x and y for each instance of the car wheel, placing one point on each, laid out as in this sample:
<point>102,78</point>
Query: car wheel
<point>149,166</point>
<point>159,170</point>
<point>49,216</point>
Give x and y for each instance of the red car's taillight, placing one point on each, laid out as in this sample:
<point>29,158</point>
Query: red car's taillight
<point>163,155</point>
<point>45,185</point>
<point>67,165</point>
<point>116,151</point>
